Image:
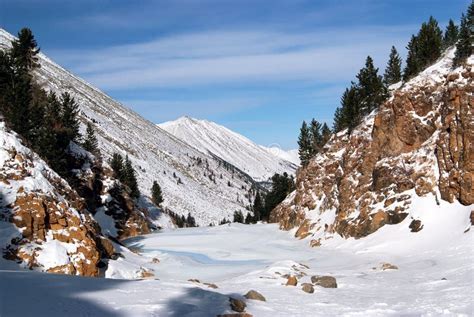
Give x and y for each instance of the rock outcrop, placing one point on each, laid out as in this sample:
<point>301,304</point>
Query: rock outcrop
<point>418,144</point>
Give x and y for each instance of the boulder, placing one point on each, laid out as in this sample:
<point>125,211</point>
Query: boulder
<point>235,315</point>
<point>255,296</point>
<point>237,305</point>
<point>211,285</point>
<point>292,281</point>
<point>324,281</point>
<point>388,266</point>
<point>415,226</point>
<point>307,287</point>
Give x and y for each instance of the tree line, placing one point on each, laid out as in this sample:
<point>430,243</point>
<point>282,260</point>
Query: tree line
<point>370,89</point>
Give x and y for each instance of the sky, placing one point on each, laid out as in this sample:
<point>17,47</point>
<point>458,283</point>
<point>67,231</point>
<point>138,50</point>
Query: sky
<point>258,67</point>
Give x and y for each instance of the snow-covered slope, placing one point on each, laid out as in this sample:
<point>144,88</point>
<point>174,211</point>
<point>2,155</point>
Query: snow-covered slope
<point>290,155</point>
<point>209,137</point>
<point>192,181</point>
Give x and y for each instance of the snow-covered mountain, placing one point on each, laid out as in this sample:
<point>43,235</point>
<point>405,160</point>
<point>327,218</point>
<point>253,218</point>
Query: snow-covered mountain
<point>212,138</point>
<point>192,181</point>
<point>290,155</point>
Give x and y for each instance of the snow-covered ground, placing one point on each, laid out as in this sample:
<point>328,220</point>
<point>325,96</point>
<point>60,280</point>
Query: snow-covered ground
<point>209,137</point>
<point>434,275</point>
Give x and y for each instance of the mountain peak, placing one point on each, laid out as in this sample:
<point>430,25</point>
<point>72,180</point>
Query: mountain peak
<point>209,137</point>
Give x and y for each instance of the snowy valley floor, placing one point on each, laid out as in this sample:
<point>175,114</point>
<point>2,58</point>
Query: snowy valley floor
<point>435,276</point>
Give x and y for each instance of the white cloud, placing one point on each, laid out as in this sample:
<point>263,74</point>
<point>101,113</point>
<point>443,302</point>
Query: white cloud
<point>216,57</point>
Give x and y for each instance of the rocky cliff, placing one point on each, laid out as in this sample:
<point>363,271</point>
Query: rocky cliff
<point>417,145</point>
<point>45,224</point>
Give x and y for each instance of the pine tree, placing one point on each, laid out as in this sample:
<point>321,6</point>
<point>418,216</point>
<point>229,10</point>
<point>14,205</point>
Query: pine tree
<point>238,217</point>
<point>450,35</point>
<point>258,208</point>
<point>338,121</point>
<point>430,41</point>
<point>90,143</point>
<point>304,143</point>
<point>464,46</point>
<point>156,194</point>
<point>325,134</point>
<point>393,72</point>
<point>351,108</point>
<point>424,48</point>
<point>116,163</point>
<point>315,137</point>
<point>412,66</point>
<point>69,118</point>
<point>370,87</point>
<point>282,185</point>
<point>249,219</point>
<point>24,51</point>
<point>130,178</point>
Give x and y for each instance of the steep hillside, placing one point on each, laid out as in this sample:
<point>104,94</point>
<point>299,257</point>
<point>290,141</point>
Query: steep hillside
<point>405,162</point>
<point>192,182</point>
<point>44,223</point>
<point>209,137</point>
<point>290,155</point>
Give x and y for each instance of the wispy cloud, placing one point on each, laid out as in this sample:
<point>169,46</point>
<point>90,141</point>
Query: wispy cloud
<point>212,108</point>
<point>216,57</point>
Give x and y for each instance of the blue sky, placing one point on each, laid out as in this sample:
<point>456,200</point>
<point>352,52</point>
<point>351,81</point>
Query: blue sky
<point>257,67</point>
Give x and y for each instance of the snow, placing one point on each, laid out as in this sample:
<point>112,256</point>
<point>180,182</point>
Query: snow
<point>290,155</point>
<point>238,258</point>
<point>209,137</point>
<point>106,223</point>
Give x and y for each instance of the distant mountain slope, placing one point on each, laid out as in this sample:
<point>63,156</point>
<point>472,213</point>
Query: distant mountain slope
<point>290,155</point>
<point>192,181</point>
<point>232,147</point>
<point>406,163</point>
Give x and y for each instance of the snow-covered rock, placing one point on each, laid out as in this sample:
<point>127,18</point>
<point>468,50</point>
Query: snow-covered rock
<point>45,225</point>
<point>411,157</point>
<point>209,137</point>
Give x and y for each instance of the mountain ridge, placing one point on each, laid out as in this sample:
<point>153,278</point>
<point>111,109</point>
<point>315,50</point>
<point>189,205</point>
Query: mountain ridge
<point>208,136</point>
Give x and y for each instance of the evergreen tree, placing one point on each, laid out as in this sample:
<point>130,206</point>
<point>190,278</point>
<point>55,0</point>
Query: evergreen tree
<point>393,72</point>
<point>282,185</point>
<point>315,137</point>
<point>69,120</point>
<point>24,51</point>
<point>325,134</point>
<point>130,178</point>
<point>238,217</point>
<point>424,48</point>
<point>430,41</point>
<point>371,89</point>
<point>412,66</point>
<point>249,219</point>
<point>304,143</point>
<point>351,108</point>
<point>116,163</point>
<point>90,143</point>
<point>338,121</point>
<point>464,46</point>
<point>156,194</point>
<point>258,208</point>
<point>190,221</point>
<point>450,35</point>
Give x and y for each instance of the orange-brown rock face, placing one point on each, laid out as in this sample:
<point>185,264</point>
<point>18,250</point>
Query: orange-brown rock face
<point>419,141</point>
<point>54,235</point>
